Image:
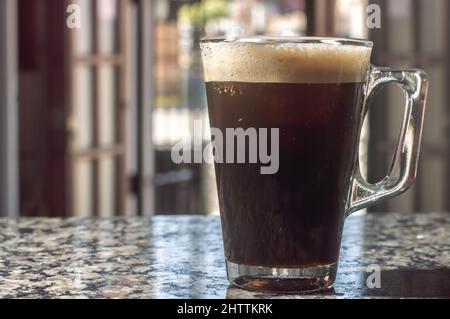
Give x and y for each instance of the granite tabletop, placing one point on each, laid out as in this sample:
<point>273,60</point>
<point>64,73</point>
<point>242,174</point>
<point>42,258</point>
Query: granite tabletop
<point>182,257</point>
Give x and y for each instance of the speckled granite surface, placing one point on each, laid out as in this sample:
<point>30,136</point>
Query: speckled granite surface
<point>182,257</point>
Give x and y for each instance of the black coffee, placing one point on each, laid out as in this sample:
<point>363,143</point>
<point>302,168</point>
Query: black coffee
<point>291,219</point>
<point>313,93</point>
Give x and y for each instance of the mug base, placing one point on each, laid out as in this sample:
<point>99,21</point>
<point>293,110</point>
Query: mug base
<point>282,280</point>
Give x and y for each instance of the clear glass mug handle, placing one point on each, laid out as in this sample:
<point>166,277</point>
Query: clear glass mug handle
<point>402,173</point>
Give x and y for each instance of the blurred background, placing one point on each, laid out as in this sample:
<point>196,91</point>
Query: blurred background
<point>88,115</point>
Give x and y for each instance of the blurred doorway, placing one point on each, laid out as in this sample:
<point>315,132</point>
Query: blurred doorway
<point>96,110</point>
<point>72,110</point>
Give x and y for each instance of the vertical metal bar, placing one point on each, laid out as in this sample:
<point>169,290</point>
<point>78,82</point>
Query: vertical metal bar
<point>384,114</point>
<point>330,18</point>
<point>145,201</point>
<point>96,116</point>
<point>139,102</point>
<point>52,65</point>
<point>416,29</point>
<point>379,115</point>
<point>310,17</point>
<point>70,129</point>
<point>121,109</point>
<point>320,16</point>
<point>447,98</point>
<point>9,188</point>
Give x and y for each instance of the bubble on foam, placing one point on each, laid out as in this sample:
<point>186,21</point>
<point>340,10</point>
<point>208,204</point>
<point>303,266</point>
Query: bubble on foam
<point>285,63</point>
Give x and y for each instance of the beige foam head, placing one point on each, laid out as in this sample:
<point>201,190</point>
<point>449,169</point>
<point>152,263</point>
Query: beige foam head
<point>290,62</point>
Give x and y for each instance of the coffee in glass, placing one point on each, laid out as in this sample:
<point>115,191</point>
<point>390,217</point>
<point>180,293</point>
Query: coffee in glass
<point>282,231</point>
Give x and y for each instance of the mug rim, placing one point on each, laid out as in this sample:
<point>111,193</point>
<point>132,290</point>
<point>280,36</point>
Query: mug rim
<point>261,40</point>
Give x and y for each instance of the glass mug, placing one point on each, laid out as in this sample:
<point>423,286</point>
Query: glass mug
<point>282,231</point>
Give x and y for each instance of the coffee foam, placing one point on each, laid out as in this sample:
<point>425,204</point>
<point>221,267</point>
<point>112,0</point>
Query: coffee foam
<point>285,63</point>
